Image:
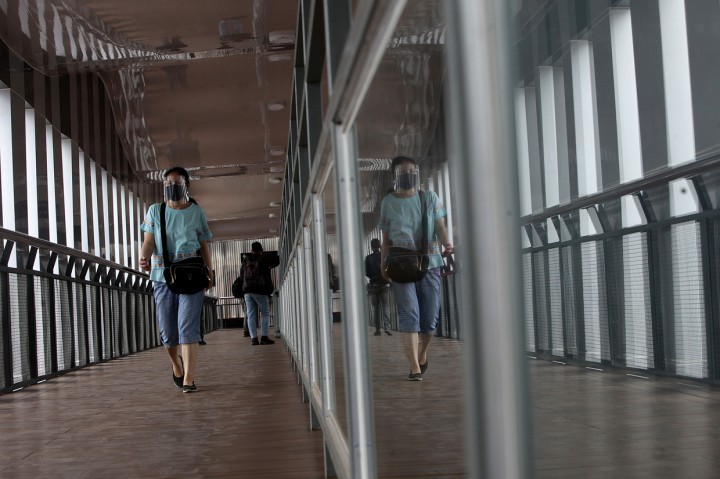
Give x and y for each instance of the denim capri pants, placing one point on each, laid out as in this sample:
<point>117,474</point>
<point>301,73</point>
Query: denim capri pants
<point>418,304</point>
<point>178,315</point>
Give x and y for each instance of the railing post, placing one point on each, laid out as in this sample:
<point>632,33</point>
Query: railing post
<point>354,305</point>
<point>483,156</point>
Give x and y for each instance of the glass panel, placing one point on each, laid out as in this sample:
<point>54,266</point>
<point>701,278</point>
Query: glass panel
<point>6,161</point>
<point>335,301</point>
<point>67,174</point>
<point>82,192</point>
<point>413,327</point>
<point>31,175</point>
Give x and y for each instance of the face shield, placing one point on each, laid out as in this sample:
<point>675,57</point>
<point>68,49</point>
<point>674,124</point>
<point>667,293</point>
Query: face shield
<point>175,189</point>
<point>407,176</point>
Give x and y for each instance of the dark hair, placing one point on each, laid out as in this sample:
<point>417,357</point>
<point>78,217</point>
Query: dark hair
<point>375,243</point>
<point>399,159</point>
<point>180,171</point>
<point>256,247</point>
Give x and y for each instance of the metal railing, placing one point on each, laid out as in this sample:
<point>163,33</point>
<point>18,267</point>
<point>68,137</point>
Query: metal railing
<point>640,297</point>
<point>63,309</point>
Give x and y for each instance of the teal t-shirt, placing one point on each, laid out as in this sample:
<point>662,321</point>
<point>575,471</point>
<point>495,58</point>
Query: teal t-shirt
<point>184,229</point>
<point>401,219</point>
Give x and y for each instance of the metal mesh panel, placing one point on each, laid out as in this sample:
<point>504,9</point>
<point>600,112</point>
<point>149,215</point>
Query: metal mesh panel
<point>44,317</point>
<point>568,298</point>
<point>541,301</point>
<point>3,285</point>
<point>57,324</point>
<point>79,323</point>
<point>107,331</point>
<point>91,308</point>
<point>150,314</point>
<point>637,307</point>
<point>119,338</point>
<point>147,321</point>
<point>19,327</point>
<point>63,324</point>
<point>128,330</point>
<point>528,297</point>
<point>137,323</point>
<point>689,301</point>
<point>555,290</point>
<point>594,302</point>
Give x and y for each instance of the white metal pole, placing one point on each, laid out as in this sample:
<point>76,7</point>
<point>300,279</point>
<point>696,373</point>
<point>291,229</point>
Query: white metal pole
<point>483,162</point>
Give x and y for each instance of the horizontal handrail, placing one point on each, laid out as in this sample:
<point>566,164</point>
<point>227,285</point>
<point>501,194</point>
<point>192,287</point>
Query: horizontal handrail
<point>652,180</point>
<point>58,248</point>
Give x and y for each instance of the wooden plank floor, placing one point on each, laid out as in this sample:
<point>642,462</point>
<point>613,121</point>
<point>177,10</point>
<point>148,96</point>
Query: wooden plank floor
<point>586,423</point>
<point>125,418</point>
<point>608,424</point>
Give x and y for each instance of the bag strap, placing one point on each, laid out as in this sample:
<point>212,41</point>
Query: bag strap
<point>424,244</point>
<point>163,239</point>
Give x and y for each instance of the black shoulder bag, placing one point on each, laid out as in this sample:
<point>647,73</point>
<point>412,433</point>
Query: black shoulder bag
<point>188,276</point>
<point>405,265</point>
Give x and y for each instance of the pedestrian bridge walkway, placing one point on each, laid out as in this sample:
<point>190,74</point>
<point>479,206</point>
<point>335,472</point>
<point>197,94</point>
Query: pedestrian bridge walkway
<point>125,418</point>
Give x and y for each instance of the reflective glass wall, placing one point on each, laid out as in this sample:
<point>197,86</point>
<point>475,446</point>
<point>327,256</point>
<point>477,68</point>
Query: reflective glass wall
<point>617,131</point>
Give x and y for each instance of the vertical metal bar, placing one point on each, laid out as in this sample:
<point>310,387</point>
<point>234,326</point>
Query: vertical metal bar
<point>480,128</point>
<point>357,367</point>
<point>323,298</point>
<point>311,308</point>
<point>277,314</point>
<point>301,300</point>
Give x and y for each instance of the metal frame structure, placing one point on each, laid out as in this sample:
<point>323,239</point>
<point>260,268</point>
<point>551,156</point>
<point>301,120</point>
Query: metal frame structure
<point>104,310</point>
<point>707,220</point>
<point>496,406</point>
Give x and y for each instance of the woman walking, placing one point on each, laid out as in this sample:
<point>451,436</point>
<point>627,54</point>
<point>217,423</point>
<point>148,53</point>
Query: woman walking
<point>186,232</point>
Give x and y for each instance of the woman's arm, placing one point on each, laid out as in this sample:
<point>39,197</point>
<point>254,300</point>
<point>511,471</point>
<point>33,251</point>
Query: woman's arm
<point>146,251</point>
<point>442,234</point>
<point>205,253</point>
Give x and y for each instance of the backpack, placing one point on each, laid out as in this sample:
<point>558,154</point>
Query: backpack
<point>237,287</point>
<point>372,269</point>
<point>253,277</point>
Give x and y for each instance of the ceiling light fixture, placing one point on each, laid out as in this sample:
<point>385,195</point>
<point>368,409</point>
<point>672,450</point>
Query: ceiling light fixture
<point>275,105</point>
<point>277,151</point>
<point>281,37</point>
<point>274,180</point>
<point>275,204</point>
<point>272,215</point>
<point>280,57</point>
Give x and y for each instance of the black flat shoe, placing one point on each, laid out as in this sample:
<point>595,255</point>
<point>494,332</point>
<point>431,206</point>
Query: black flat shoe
<point>178,380</point>
<point>423,367</point>
<point>191,388</point>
